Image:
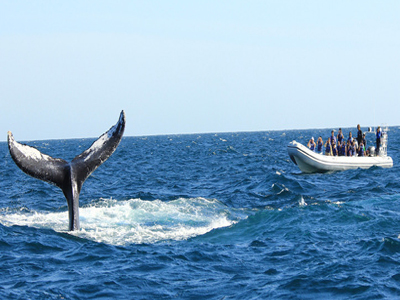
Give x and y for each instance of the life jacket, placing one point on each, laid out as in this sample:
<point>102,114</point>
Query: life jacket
<point>320,144</point>
<point>334,151</point>
<point>361,152</point>
<point>328,148</point>
<point>343,149</point>
<point>312,147</point>
<point>340,137</point>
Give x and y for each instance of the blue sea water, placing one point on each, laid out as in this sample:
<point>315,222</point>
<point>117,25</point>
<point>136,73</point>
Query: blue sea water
<point>202,216</point>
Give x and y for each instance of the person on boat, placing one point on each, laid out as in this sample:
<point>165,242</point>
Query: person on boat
<point>340,136</point>
<point>359,135</point>
<point>334,150</point>
<point>339,148</point>
<point>378,139</point>
<point>320,144</point>
<point>311,144</point>
<point>333,138</point>
<point>348,148</point>
<point>328,147</point>
<point>351,151</point>
<point>353,147</point>
<point>361,150</point>
<point>350,139</point>
<point>364,141</point>
<point>343,148</point>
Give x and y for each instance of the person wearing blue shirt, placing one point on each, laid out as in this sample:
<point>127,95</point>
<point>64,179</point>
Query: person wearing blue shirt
<point>353,148</point>
<point>339,148</point>
<point>328,147</point>
<point>320,144</point>
<point>343,148</point>
<point>340,136</point>
<point>361,151</point>
<point>332,137</point>
<point>334,150</point>
<point>378,139</point>
<point>348,148</point>
<point>350,139</point>
<point>311,144</point>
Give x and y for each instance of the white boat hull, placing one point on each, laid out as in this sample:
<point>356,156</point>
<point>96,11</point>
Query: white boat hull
<point>311,162</point>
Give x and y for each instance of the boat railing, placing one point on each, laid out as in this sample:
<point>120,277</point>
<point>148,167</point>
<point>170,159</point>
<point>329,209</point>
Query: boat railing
<point>384,142</point>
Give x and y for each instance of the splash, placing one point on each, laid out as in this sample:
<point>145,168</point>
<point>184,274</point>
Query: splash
<point>135,220</point>
<point>302,202</point>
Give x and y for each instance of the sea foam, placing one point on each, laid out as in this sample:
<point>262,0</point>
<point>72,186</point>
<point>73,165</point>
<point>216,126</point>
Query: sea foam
<point>135,220</point>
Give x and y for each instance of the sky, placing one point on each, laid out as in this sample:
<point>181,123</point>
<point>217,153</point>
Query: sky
<point>68,68</point>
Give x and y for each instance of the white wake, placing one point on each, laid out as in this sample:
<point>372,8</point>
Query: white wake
<point>135,220</point>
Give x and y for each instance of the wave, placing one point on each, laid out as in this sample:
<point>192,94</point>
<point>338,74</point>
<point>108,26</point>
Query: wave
<point>135,221</point>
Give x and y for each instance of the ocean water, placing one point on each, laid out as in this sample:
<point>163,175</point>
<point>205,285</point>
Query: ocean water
<point>202,216</point>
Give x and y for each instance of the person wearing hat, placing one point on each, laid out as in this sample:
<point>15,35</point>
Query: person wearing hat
<point>311,144</point>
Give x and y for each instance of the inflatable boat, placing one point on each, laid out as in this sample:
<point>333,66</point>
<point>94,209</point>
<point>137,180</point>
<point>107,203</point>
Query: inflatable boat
<point>311,162</point>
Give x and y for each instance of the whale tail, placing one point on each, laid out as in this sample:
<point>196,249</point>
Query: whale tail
<point>68,176</point>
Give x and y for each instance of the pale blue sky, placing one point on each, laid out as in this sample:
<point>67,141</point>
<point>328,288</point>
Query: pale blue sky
<point>68,68</point>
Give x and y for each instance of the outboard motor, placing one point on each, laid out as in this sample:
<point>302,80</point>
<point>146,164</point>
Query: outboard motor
<point>371,151</point>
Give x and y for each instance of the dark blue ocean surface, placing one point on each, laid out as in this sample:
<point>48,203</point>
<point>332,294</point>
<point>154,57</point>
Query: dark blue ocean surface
<point>203,216</point>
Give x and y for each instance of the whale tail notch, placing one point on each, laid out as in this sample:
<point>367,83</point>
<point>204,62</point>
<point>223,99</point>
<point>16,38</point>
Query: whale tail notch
<point>68,176</point>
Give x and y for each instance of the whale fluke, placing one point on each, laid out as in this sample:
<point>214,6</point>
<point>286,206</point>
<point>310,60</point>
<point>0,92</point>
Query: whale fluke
<point>68,176</point>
